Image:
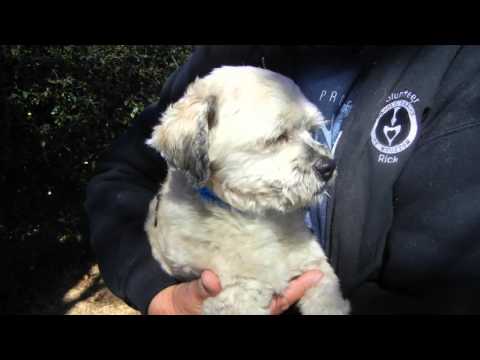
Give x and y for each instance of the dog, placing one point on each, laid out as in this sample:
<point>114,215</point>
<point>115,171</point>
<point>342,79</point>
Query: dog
<point>242,168</point>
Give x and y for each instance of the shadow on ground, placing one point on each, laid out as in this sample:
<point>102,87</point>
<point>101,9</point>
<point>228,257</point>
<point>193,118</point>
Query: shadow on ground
<point>47,276</point>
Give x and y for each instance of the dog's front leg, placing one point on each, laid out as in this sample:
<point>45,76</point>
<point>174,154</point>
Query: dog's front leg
<point>325,298</point>
<point>241,297</point>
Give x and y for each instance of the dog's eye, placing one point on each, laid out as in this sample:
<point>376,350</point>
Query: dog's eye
<point>283,138</point>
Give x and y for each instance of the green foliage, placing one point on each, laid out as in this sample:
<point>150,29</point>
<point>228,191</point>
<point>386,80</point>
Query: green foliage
<point>62,106</point>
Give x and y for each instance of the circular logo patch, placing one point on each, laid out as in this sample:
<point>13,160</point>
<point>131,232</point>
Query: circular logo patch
<point>395,127</point>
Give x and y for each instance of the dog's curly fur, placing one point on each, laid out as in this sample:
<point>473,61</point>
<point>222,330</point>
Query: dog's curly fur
<point>243,132</point>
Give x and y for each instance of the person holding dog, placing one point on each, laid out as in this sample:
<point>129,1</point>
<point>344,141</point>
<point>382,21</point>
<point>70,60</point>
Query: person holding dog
<point>399,225</point>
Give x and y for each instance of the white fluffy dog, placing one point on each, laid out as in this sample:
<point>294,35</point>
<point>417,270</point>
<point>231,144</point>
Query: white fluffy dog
<point>242,167</point>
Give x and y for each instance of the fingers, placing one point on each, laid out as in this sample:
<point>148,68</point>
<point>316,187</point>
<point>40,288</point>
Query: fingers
<point>186,298</point>
<point>279,305</point>
<point>207,286</point>
<point>295,291</point>
<point>189,297</point>
<point>297,288</point>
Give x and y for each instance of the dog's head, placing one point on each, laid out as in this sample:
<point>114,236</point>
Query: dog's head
<point>246,133</point>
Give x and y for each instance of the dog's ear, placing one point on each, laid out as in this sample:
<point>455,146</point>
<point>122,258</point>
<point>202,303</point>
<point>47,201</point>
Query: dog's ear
<point>182,136</point>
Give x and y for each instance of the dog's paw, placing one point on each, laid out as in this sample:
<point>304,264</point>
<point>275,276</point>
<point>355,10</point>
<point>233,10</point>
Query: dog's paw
<point>324,300</point>
<point>325,306</point>
<point>214,306</point>
<point>247,297</point>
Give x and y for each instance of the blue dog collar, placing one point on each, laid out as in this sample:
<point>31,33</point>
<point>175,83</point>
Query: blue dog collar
<point>209,196</point>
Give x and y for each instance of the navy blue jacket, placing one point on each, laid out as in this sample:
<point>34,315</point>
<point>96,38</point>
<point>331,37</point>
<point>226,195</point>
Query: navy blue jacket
<point>403,225</point>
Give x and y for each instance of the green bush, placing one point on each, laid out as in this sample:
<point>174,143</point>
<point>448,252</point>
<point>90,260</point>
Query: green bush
<point>61,108</point>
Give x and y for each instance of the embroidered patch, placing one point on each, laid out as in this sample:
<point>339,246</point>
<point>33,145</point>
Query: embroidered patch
<point>395,128</point>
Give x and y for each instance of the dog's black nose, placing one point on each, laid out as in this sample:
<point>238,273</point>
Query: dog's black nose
<point>324,168</point>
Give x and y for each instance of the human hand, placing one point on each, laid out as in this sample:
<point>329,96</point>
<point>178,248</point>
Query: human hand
<point>186,298</point>
<point>295,291</point>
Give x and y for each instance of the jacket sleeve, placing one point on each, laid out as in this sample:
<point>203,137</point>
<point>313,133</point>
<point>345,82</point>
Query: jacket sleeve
<point>127,179</point>
<point>117,200</point>
<point>432,256</point>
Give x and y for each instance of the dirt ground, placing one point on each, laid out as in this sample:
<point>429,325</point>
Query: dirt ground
<point>100,301</point>
<point>55,280</point>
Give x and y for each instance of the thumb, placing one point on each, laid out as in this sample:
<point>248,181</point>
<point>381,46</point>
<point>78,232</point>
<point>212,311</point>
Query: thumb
<point>295,291</point>
<point>208,285</point>
<point>297,288</point>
